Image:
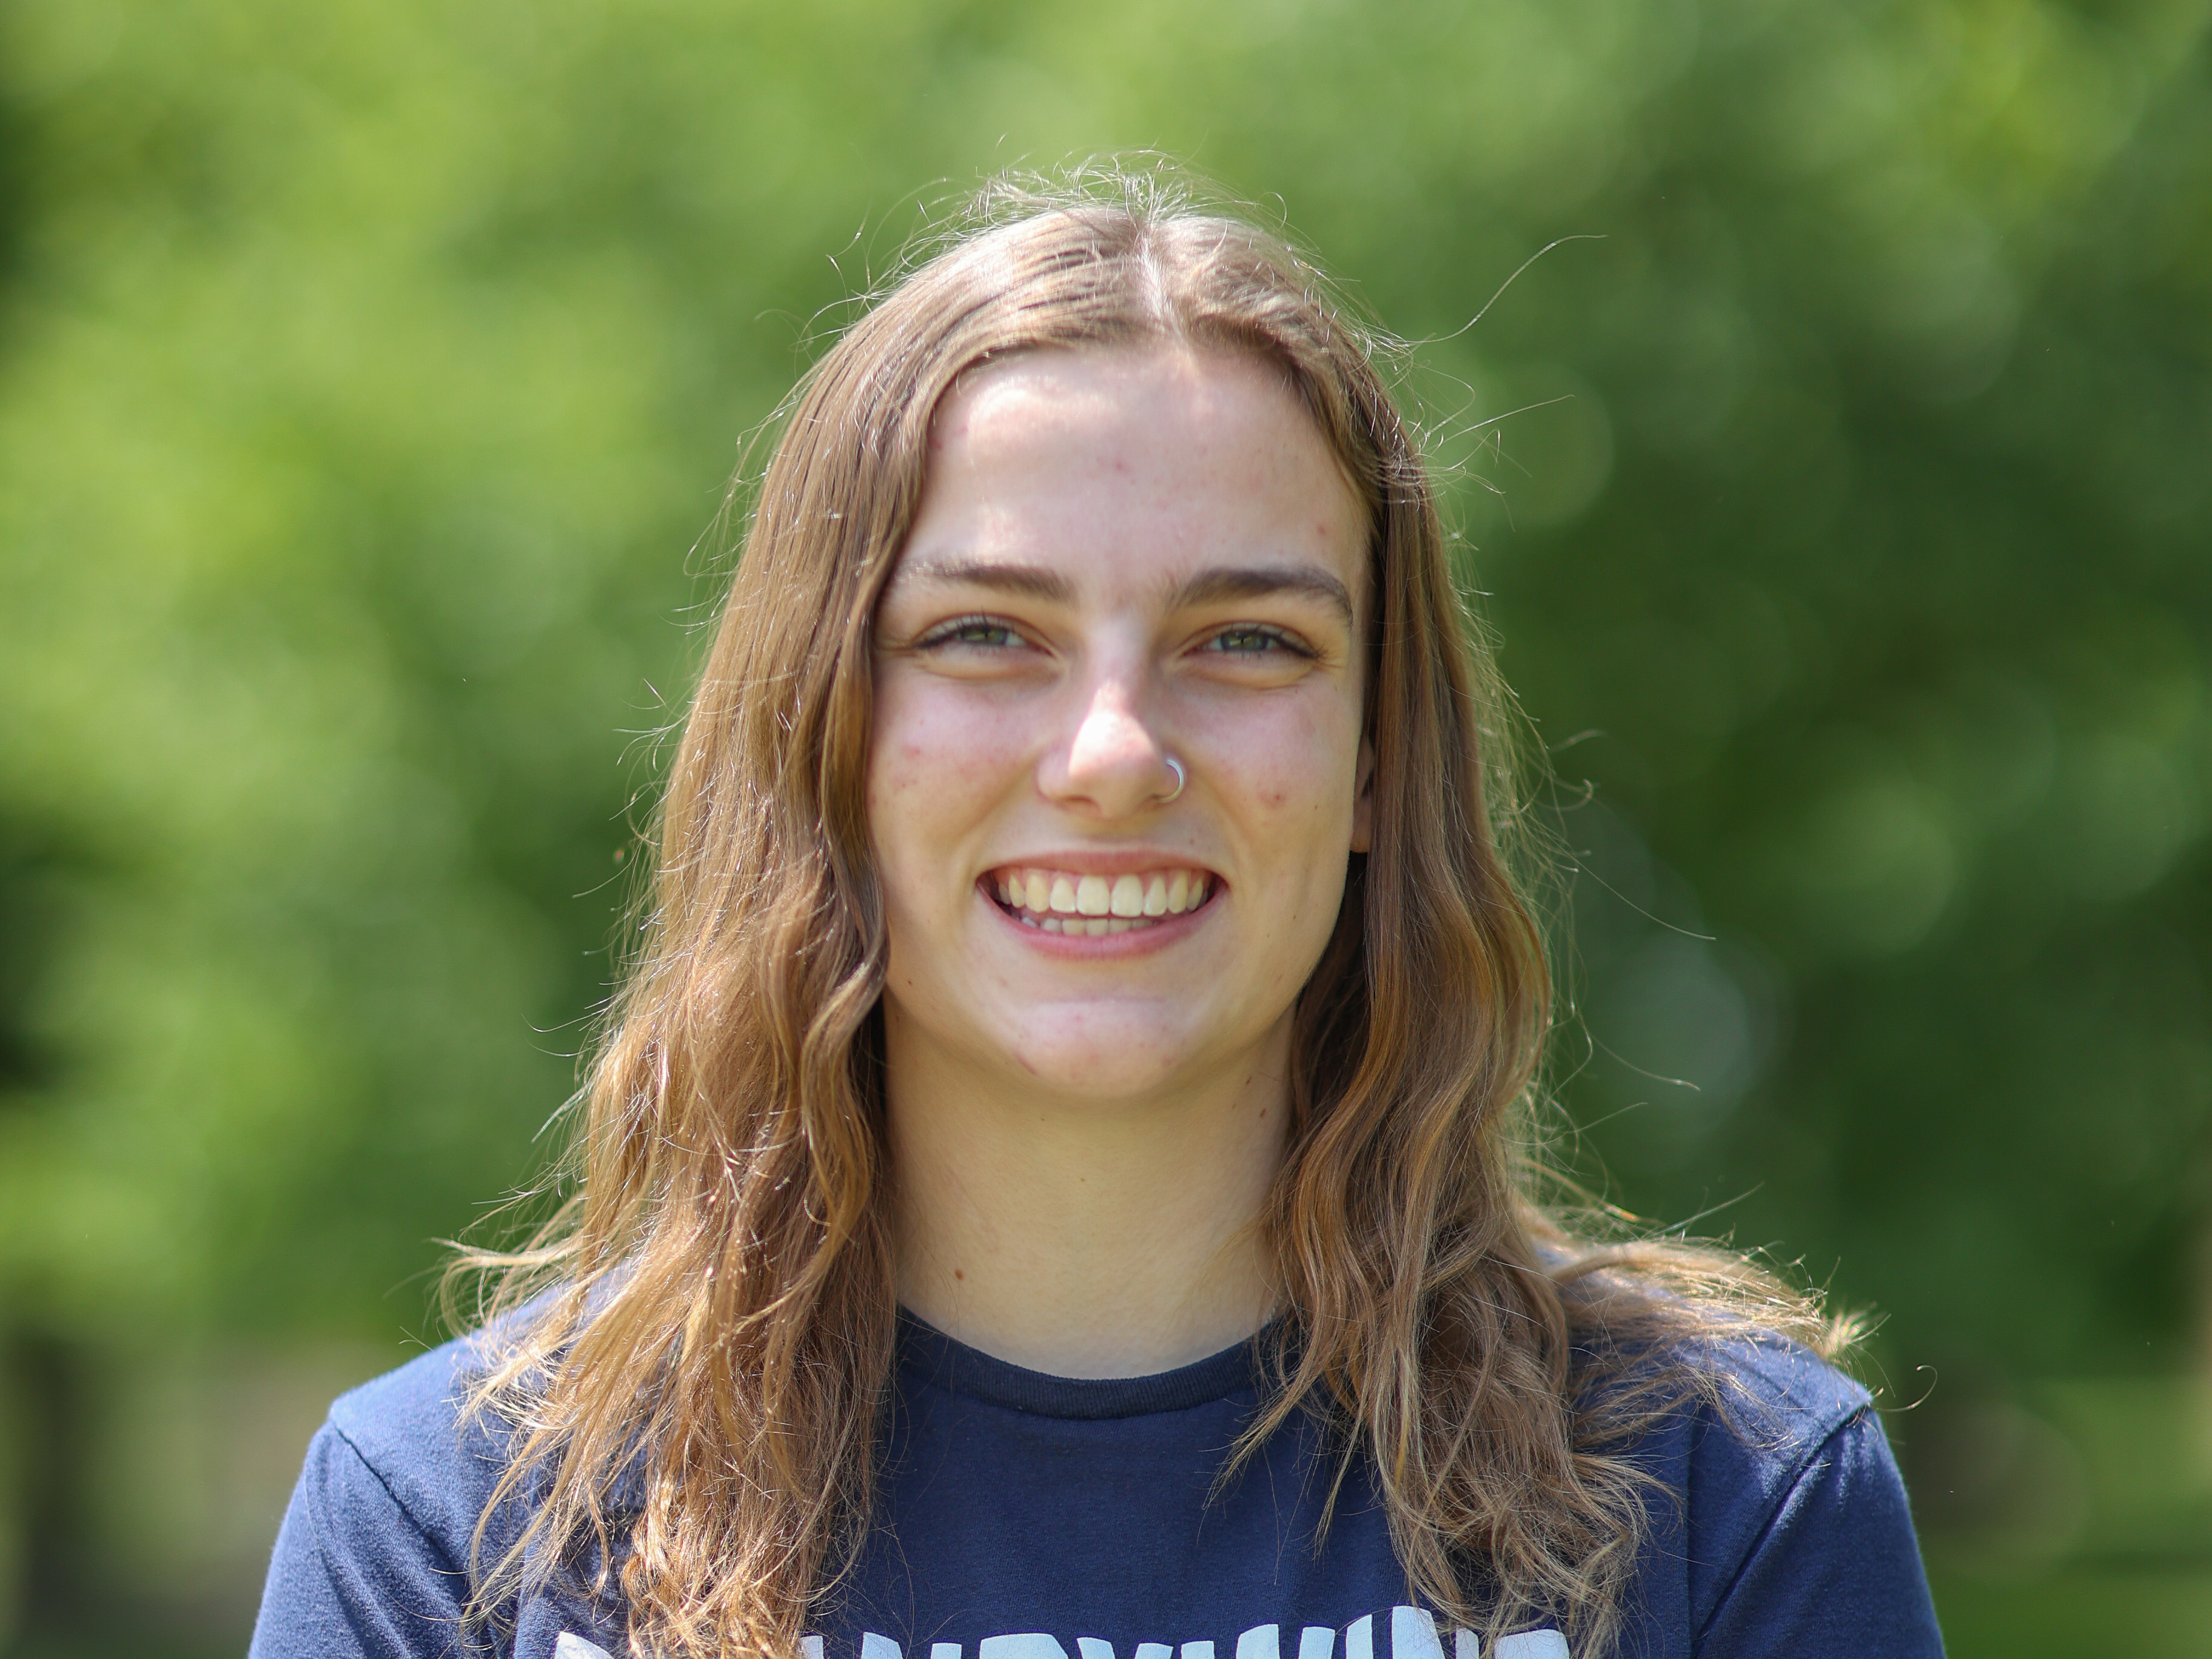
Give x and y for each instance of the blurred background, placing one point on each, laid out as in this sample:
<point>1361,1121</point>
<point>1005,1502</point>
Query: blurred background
<point>370,372</point>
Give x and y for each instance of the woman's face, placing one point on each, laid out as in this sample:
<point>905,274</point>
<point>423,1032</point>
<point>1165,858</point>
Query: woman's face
<point>1122,556</point>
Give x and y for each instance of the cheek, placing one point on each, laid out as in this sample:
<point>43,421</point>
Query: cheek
<point>936,752</point>
<point>1298,772</point>
<point>934,770</point>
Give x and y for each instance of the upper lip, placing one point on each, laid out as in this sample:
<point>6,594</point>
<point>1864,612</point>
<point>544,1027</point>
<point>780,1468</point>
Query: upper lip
<point>1101,861</point>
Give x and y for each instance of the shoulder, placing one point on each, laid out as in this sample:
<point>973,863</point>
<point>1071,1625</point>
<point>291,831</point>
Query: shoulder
<point>1767,1406</point>
<point>1757,1403</point>
<point>1789,1529</point>
<point>412,1432</point>
<point>373,1555</point>
<point>1770,1415</point>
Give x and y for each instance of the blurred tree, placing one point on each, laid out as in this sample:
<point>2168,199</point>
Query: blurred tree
<point>366,372</point>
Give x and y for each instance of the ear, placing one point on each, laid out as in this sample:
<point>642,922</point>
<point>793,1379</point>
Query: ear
<point>1362,798</point>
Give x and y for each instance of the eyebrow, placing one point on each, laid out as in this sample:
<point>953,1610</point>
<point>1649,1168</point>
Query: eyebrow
<point>1206,587</point>
<point>1030,581</point>
<point>1260,582</point>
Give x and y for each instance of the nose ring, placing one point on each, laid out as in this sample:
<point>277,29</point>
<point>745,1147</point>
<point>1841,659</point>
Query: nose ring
<point>1181,780</point>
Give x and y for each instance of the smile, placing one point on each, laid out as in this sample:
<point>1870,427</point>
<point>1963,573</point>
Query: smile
<point>1070,902</point>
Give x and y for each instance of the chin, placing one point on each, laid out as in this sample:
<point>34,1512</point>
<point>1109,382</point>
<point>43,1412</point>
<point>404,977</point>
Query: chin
<point>1111,1059</point>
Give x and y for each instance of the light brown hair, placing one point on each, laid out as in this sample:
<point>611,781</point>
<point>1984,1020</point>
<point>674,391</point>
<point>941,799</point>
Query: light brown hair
<point>719,1327</point>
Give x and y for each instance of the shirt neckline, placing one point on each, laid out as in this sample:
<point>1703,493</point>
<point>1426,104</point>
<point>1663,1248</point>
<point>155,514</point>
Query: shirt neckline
<point>928,1356</point>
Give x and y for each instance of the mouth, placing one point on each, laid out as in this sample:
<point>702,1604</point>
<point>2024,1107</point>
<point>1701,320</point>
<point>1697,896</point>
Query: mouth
<point>1077,902</point>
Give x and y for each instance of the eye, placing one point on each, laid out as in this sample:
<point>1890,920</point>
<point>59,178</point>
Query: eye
<point>1255,640</point>
<point>983,633</point>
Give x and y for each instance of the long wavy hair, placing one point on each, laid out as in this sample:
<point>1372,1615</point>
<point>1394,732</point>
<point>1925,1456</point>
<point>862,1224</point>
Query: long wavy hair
<point>692,1361</point>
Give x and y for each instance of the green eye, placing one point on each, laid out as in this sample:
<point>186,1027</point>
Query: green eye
<point>1250,641</point>
<point>982,631</point>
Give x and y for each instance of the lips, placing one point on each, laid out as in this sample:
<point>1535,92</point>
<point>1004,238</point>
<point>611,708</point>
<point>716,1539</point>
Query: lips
<point>1079,902</point>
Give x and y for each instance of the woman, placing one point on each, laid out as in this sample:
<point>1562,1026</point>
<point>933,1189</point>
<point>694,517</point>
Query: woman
<point>1052,1185</point>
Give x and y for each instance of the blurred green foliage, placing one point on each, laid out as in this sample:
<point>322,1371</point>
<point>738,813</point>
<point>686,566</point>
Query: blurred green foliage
<point>369,374</point>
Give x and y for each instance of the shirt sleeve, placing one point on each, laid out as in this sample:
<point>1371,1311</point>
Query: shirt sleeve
<point>1837,1571</point>
<point>354,1574</point>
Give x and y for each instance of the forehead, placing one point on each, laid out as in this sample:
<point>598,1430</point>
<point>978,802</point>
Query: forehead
<point>1114,463</point>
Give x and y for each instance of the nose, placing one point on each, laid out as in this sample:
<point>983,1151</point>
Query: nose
<point>1114,765</point>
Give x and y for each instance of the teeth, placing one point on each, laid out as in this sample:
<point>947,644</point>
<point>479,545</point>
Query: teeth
<point>1064,901</point>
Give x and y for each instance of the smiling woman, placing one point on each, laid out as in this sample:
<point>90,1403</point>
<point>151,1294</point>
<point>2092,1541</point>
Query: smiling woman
<point>1055,1173</point>
<point>1119,670</point>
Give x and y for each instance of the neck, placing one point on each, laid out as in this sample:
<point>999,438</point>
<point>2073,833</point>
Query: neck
<point>1080,1237</point>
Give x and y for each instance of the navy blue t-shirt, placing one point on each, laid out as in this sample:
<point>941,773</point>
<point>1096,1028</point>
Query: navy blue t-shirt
<point>1026,1516</point>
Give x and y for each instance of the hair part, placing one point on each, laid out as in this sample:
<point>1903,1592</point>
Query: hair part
<point>692,1358</point>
